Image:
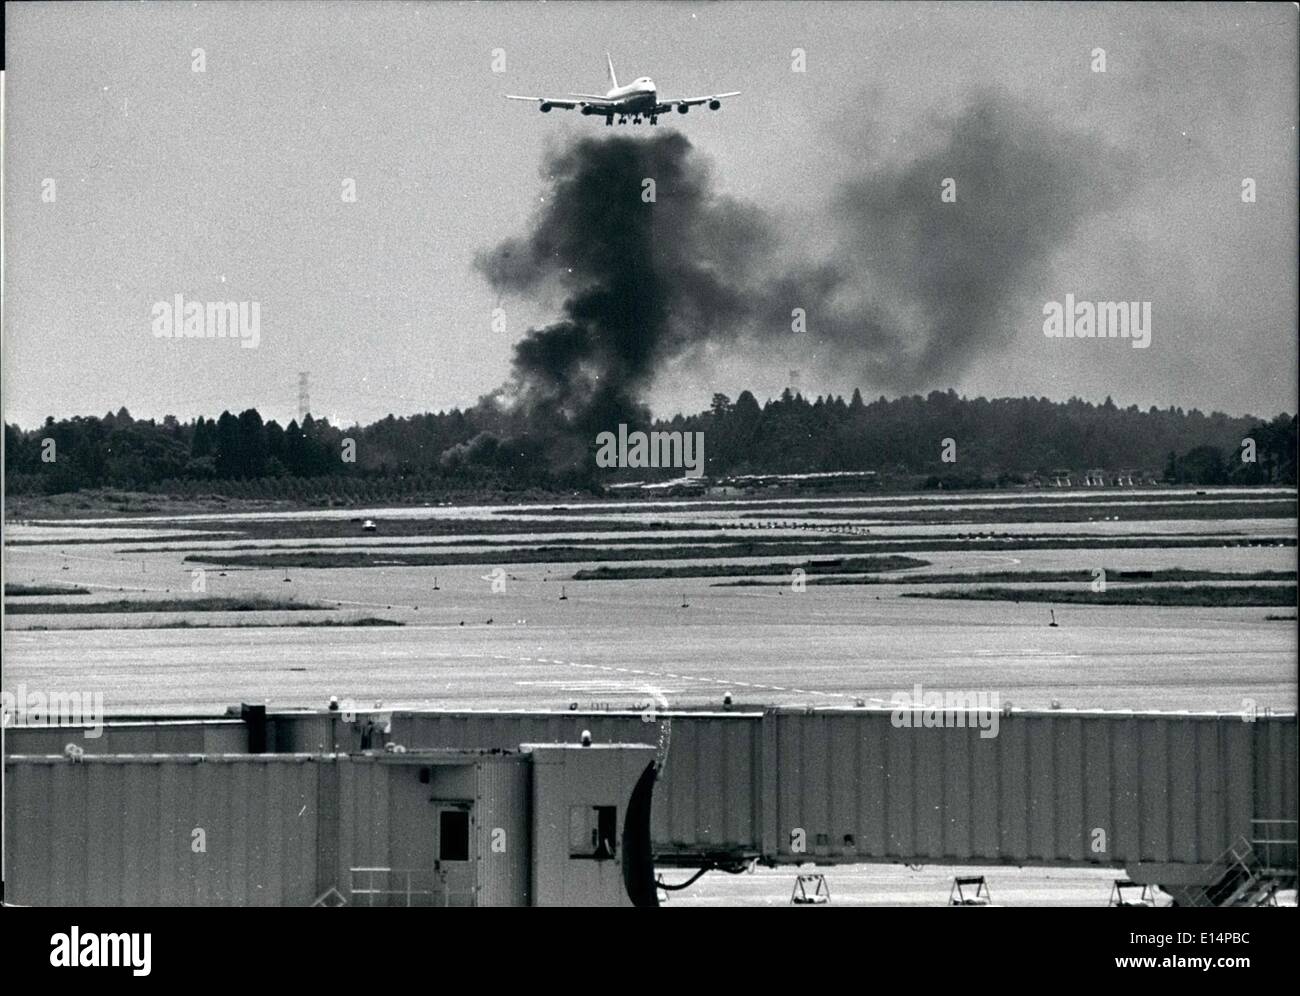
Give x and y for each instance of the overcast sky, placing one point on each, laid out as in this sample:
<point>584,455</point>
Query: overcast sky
<point>226,185</point>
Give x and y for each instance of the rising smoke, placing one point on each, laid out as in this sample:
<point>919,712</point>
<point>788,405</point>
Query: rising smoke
<point>905,291</point>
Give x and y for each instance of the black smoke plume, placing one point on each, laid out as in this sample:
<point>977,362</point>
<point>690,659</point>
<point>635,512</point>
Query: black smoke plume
<point>898,287</point>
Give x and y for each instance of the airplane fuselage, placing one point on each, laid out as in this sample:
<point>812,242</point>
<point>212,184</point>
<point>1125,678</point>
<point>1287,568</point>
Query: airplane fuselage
<point>638,97</point>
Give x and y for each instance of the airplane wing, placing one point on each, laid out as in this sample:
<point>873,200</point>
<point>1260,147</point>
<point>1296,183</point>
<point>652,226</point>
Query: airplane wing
<point>682,105</point>
<point>549,102</point>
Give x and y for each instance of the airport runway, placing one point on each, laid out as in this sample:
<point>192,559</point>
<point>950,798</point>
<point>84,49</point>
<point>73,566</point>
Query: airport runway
<point>501,636</point>
<point>610,641</point>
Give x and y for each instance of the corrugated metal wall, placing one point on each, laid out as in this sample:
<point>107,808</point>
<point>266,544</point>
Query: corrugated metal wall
<point>312,733</point>
<point>363,820</point>
<point>503,805</point>
<point>210,736</point>
<point>277,830</point>
<point>1051,787</point>
<point>709,798</point>
<point>843,785</point>
<point>122,831</point>
<point>1276,774</point>
<point>1048,788</point>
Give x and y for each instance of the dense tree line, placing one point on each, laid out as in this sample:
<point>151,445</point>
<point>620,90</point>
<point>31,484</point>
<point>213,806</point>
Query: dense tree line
<point>1002,440</point>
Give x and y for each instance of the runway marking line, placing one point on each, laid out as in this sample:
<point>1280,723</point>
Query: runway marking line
<point>671,675</point>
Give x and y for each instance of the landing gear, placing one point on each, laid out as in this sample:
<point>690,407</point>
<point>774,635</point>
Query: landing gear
<point>654,119</point>
<point>622,119</point>
<point>609,120</point>
<point>636,119</point>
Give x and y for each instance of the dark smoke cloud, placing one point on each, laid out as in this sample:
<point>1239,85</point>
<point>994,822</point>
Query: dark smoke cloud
<point>901,289</point>
<point>642,280</point>
<point>941,277</point>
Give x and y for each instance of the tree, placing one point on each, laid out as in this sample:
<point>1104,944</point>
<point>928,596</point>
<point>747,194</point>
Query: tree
<point>252,445</point>
<point>229,460</point>
<point>203,440</point>
<point>1203,465</point>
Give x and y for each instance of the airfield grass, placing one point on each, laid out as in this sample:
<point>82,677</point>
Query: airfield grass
<point>721,541</point>
<point>367,621</point>
<point>1032,505</point>
<point>252,603</point>
<point>286,529</point>
<point>932,502</point>
<point>44,589</point>
<point>518,555</point>
<point>1015,577</point>
<point>1198,596</point>
<point>577,554</point>
<point>189,624</point>
<point>729,570</point>
<point>1282,508</point>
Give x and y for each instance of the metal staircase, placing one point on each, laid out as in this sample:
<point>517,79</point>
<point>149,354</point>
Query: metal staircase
<point>1251,872</point>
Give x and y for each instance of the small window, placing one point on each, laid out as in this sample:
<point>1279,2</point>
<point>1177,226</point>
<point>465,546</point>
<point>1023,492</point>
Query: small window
<point>593,832</point>
<point>453,835</point>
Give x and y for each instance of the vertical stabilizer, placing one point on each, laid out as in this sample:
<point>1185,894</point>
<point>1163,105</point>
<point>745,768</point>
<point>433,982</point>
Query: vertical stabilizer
<point>613,80</point>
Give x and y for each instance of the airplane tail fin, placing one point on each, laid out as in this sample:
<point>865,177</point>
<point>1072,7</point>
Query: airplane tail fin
<point>613,80</point>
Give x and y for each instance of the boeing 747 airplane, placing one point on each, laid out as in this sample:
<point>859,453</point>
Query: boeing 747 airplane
<point>635,101</point>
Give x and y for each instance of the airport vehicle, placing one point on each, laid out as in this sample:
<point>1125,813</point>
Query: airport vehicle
<point>636,101</point>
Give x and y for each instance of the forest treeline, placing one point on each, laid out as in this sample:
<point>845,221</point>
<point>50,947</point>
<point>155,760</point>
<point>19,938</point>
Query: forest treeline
<point>1000,441</point>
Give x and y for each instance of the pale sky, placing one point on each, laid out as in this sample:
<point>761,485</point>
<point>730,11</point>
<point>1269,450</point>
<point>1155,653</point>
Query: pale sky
<point>226,185</point>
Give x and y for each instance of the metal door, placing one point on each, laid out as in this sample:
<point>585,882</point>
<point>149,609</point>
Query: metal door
<point>456,861</point>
